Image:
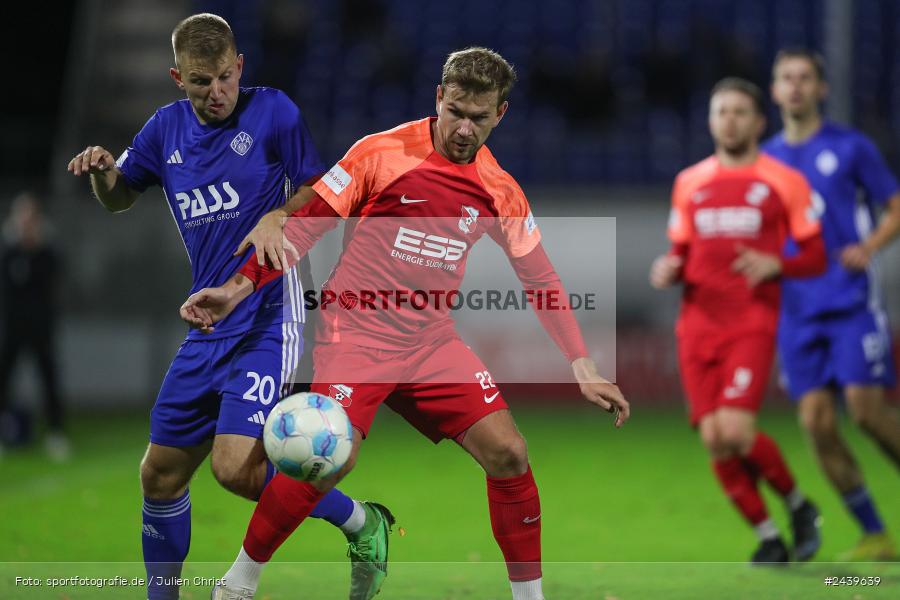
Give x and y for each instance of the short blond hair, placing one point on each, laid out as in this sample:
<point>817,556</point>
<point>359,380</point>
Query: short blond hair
<point>479,71</point>
<point>205,38</point>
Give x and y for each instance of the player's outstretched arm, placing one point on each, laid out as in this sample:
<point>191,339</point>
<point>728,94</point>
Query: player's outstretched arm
<point>537,274</point>
<point>267,237</point>
<point>599,391</point>
<point>106,179</point>
<point>203,309</point>
<point>856,257</point>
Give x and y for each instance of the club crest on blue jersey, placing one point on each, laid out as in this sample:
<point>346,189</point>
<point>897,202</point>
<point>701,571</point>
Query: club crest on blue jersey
<point>827,162</point>
<point>241,143</point>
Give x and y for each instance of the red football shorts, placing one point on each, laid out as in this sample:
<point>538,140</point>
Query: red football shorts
<point>441,389</point>
<point>727,371</point>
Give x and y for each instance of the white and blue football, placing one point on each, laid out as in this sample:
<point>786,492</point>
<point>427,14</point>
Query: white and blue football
<point>308,436</point>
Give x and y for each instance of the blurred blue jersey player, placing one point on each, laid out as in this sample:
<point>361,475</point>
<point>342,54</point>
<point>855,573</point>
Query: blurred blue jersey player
<point>224,157</point>
<point>833,335</point>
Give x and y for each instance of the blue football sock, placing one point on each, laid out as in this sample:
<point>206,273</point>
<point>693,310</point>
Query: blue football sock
<point>860,504</point>
<point>166,539</point>
<point>334,507</point>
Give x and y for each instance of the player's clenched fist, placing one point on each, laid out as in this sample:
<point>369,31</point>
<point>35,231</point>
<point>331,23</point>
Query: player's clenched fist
<point>665,271</point>
<point>92,160</point>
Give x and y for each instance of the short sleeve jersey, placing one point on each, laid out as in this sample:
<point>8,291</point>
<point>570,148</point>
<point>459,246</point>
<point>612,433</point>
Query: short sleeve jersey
<point>839,163</point>
<point>219,179</point>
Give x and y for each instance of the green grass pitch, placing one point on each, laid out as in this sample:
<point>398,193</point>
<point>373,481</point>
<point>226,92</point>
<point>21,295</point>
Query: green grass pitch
<point>627,514</point>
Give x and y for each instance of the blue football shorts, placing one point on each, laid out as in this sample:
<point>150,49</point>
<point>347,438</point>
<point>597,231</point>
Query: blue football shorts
<point>835,351</point>
<point>226,385</point>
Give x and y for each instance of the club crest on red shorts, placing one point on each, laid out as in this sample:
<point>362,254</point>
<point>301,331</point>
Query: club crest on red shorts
<point>341,394</point>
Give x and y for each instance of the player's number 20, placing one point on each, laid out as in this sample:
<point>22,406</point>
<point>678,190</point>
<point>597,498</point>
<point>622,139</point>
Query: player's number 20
<point>263,388</point>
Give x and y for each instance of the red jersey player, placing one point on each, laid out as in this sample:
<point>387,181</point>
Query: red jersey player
<point>428,188</point>
<point>730,215</point>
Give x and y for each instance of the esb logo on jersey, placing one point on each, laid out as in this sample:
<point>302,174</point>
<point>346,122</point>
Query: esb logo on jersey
<point>196,203</point>
<point>432,246</point>
<point>728,221</point>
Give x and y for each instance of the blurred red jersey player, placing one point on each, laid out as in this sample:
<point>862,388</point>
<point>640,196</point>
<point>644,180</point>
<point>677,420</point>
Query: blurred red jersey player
<point>730,216</point>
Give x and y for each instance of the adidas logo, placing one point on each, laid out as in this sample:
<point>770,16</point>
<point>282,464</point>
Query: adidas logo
<point>151,531</point>
<point>259,418</point>
<point>175,159</point>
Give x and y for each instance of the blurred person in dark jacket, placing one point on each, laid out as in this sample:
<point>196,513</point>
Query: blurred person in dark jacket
<point>29,272</point>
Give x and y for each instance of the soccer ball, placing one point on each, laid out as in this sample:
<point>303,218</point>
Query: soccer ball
<point>308,436</point>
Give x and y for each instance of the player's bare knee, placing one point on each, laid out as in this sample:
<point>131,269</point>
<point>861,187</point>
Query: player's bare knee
<point>166,471</point>
<point>735,438</point>
<point>161,482</point>
<point>717,449</point>
<point>709,437</point>
<point>508,457</point>
<point>149,477</point>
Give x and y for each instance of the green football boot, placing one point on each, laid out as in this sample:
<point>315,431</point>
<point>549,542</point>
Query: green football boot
<point>368,552</point>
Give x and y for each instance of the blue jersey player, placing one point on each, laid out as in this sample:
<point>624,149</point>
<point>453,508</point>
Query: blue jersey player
<point>224,157</point>
<point>833,335</point>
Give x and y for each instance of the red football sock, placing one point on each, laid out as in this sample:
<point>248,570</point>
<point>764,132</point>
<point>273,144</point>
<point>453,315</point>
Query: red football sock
<point>515,518</point>
<point>284,503</point>
<point>766,459</point>
<point>740,485</point>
